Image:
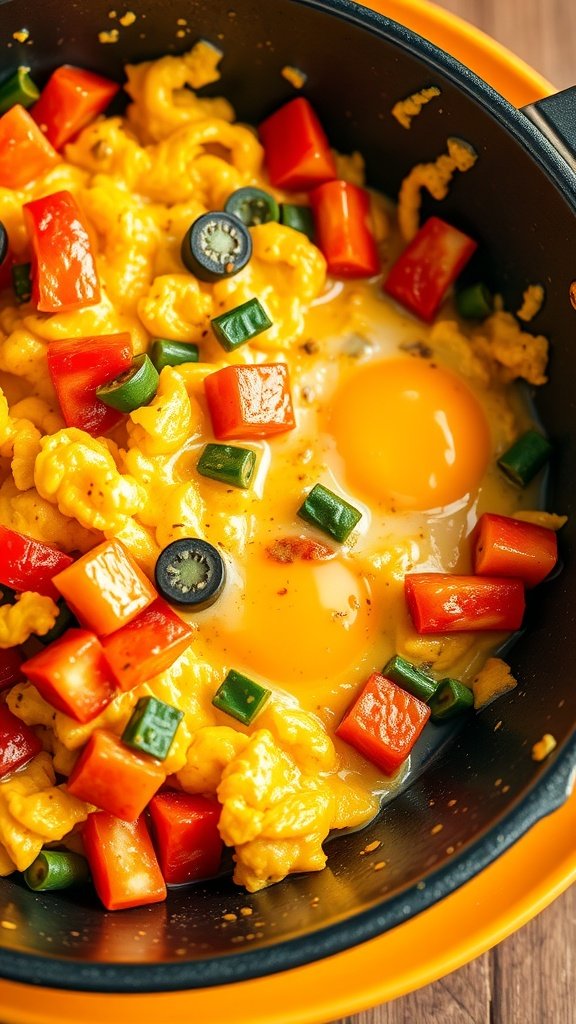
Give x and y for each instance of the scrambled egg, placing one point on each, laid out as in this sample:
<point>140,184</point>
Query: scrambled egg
<point>406,110</point>
<point>436,178</point>
<point>30,614</point>
<point>33,810</point>
<point>141,180</point>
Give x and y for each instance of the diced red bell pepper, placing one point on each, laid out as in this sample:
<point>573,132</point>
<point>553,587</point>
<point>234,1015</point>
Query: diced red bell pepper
<point>73,675</point>
<point>441,603</point>
<point>503,546</point>
<point>187,840</point>
<point>343,232</point>
<point>27,564</point>
<point>18,744</point>
<point>78,366</point>
<point>122,862</point>
<point>384,723</point>
<point>147,645</point>
<point>25,153</point>
<point>428,266</point>
<point>250,401</point>
<point>10,667</point>
<point>105,588</point>
<point>296,149</point>
<point>64,275</point>
<point>71,99</point>
<point>114,777</point>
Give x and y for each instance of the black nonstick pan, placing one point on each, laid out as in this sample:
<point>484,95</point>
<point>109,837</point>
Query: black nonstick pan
<point>521,206</point>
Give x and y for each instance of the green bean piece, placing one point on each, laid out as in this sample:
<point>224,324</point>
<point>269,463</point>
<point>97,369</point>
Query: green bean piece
<point>152,727</point>
<point>298,217</point>
<point>56,869</point>
<point>329,513</point>
<point>18,88</point>
<point>133,388</point>
<point>22,281</point>
<point>525,458</point>
<point>451,698</point>
<point>252,206</point>
<point>410,678</point>
<point>240,697</point>
<point>475,302</point>
<point>228,464</point>
<point>240,324</point>
<point>172,353</point>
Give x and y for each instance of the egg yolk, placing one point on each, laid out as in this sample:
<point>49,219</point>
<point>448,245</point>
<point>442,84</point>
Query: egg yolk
<point>411,435</point>
<point>303,622</point>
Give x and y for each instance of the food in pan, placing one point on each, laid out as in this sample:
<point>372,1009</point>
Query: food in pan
<point>268,485</point>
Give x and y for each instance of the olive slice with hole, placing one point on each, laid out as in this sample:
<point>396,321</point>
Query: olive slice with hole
<point>216,246</point>
<point>190,572</point>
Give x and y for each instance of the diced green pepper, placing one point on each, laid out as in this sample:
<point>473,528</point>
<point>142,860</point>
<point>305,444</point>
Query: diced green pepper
<point>228,464</point>
<point>172,353</point>
<point>152,727</point>
<point>330,513</point>
<point>298,217</point>
<point>525,458</point>
<point>240,324</point>
<point>240,697</point>
<point>22,281</point>
<point>133,388</point>
<point>475,303</point>
<point>252,206</point>
<point>451,698</point>
<point>18,88</point>
<point>55,869</point>
<point>410,678</point>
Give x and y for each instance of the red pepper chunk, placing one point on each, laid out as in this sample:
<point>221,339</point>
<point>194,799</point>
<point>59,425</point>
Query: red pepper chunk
<point>71,99</point>
<point>428,266</point>
<point>122,862</point>
<point>73,675</point>
<point>296,149</point>
<point>503,546</point>
<point>115,778</point>
<point>64,276</point>
<point>28,564</point>
<point>25,153</point>
<point>441,603</point>
<point>10,667</point>
<point>78,366</point>
<point>147,645</point>
<point>105,588</point>
<point>18,744</point>
<point>384,723</point>
<point>187,839</point>
<point>343,233</point>
<point>250,401</point>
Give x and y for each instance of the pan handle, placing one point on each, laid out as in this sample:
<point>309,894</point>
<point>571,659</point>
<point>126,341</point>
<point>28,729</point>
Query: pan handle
<point>555,116</point>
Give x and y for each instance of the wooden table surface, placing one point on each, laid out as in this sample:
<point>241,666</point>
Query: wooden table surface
<point>531,977</point>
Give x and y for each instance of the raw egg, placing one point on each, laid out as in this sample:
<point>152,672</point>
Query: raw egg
<point>412,435</point>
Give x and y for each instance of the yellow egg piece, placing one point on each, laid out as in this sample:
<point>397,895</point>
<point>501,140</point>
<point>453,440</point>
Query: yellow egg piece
<point>412,435</point>
<point>299,622</point>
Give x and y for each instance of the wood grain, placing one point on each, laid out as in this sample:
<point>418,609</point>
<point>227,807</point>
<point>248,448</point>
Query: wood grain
<point>531,977</point>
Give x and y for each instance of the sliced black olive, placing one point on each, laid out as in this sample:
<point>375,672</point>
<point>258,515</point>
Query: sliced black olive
<point>217,245</point>
<point>3,243</point>
<point>190,572</point>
